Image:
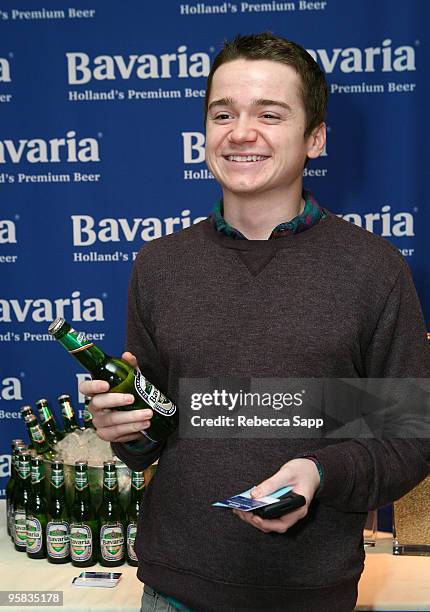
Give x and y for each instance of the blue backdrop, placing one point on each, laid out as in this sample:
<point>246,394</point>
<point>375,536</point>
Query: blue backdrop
<point>101,150</point>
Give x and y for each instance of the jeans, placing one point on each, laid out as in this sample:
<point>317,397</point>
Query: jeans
<point>154,602</point>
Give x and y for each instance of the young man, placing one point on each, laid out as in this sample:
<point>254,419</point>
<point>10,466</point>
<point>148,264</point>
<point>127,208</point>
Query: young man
<point>271,285</point>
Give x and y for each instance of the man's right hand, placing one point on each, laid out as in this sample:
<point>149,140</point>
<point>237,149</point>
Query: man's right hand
<point>115,425</point>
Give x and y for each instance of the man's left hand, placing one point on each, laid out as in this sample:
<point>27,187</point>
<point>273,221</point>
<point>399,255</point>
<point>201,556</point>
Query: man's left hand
<point>303,476</point>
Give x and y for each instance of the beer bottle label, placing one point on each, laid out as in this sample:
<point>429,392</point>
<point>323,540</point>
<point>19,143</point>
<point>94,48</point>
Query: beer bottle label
<point>137,480</point>
<point>24,469</point>
<point>112,542</point>
<point>37,433</point>
<point>57,478</point>
<point>36,474</point>
<point>87,416</point>
<point>131,538</point>
<point>34,535</point>
<point>20,528</point>
<point>110,481</point>
<point>57,539</point>
<point>152,396</point>
<point>81,542</point>
<point>81,480</point>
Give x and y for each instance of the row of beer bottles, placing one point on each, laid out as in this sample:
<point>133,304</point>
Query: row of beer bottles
<point>79,533</point>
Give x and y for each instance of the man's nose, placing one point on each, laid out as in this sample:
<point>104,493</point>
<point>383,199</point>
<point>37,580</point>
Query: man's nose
<point>243,131</point>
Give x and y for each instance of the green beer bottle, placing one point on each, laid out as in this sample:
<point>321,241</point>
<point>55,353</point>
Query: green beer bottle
<point>132,514</point>
<point>21,501</point>
<point>68,414</point>
<point>11,486</point>
<point>37,509</point>
<point>112,549</point>
<point>57,528</point>
<point>84,523</point>
<point>88,417</point>
<point>48,423</point>
<point>38,438</point>
<point>121,377</point>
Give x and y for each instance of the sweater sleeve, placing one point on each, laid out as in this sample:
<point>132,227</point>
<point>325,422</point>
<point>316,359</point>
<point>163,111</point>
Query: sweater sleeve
<point>141,343</point>
<point>367,473</point>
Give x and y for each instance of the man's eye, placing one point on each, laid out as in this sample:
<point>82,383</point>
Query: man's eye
<point>269,116</point>
<point>222,116</point>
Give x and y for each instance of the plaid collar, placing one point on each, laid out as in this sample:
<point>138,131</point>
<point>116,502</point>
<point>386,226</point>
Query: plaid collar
<point>311,215</point>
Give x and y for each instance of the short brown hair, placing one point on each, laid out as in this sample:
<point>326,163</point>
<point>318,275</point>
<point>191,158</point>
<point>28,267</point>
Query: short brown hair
<point>268,46</point>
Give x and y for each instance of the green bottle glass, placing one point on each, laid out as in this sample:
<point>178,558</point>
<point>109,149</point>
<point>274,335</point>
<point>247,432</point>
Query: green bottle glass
<point>68,414</point>
<point>84,525</point>
<point>122,378</point>
<point>38,438</point>
<point>88,417</point>
<point>37,510</point>
<point>132,514</point>
<point>58,526</point>
<point>111,516</point>
<point>48,423</point>
<point>21,501</point>
<point>11,485</point>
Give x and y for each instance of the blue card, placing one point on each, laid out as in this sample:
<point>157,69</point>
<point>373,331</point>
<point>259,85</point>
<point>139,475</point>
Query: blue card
<point>244,501</point>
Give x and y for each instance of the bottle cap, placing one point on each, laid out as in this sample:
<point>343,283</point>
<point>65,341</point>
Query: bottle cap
<point>56,325</point>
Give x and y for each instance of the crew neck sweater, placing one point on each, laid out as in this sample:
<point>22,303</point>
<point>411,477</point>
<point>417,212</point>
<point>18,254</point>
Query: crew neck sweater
<point>334,301</point>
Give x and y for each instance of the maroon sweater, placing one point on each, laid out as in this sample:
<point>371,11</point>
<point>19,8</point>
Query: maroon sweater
<point>334,301</point>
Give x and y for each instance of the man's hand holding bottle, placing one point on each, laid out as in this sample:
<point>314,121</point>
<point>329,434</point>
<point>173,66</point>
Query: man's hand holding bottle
<point>115,425</point>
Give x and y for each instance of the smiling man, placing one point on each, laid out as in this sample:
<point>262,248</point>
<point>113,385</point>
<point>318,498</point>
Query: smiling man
<point>270,285</point>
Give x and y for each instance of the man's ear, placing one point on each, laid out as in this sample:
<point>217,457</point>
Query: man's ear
<point>316,141</point>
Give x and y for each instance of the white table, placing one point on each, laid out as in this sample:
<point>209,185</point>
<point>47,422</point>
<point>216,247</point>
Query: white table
<point>388,583</point>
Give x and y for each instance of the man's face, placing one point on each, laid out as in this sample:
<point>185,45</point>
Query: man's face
<point>255,128</point>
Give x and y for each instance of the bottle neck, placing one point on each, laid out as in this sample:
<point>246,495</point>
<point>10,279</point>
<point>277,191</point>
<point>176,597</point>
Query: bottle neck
<point>82,486</point>
<point>110,486</point>
<point>88,355</point>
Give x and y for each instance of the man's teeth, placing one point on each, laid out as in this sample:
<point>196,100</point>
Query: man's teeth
<point>246,158</point>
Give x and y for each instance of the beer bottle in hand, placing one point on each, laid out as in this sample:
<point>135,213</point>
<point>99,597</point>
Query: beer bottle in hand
<point>37,509</point>
<point>121,377</point>
<point>112,549</point>
<point>84,530</point>
<point>58,526</point>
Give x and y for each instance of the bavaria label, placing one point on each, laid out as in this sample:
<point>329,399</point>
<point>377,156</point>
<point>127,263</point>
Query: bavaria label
<point>57,539</point>
<point>37,433</point>
<point>57,477</point>
<point>112,542</point>
<point>131,538</point>
<point>20,528</point>
<point>81,542</point>
<point>79,340</point>
<point>137,480</point>
<point>110,481</point>
<point>152,396</point>
<point>81,480</point>
<point>36,474</point>
<point>34,535</point>
<point>24,469</point>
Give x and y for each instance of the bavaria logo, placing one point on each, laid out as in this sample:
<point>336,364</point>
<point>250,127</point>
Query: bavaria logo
<point>38,150</point>
<point>5,70</point>
<point>10,389</point>
<point>87,231</point>
<point>81,68</point>
<point>44,310</point>
<point>371,59</point>
<point>7,232</point>
<point>384,223</point>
